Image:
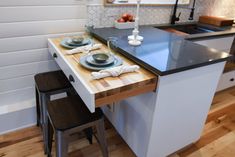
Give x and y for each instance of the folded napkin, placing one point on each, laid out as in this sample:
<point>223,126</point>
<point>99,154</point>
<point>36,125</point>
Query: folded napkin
<point>114,72</point>
<point>86,48</point>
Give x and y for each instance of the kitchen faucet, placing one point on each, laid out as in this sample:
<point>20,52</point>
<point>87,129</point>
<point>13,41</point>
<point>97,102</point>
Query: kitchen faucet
<point>174,18</point>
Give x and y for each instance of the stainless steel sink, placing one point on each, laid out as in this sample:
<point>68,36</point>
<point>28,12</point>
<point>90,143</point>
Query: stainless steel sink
<point>190,28</point>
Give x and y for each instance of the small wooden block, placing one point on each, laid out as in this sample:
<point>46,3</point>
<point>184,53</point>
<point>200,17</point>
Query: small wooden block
<point>216,21</point>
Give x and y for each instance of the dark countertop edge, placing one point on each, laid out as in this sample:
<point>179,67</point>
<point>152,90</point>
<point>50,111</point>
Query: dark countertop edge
<point>209,36</point>
<point>202,35</point>
<point>195,66</point>
<point>154,70</point>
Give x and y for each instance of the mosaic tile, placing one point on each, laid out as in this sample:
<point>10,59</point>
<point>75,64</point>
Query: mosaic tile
<point>100,16</point>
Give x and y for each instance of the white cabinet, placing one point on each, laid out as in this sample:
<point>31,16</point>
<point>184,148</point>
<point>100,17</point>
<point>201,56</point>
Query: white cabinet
<point>159,124</point>
<point>226,80</point>
<point>219,43</point>
<point>222,44</point>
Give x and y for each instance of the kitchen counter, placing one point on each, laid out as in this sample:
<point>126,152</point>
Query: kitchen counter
<point>155,115</point>
<point>162,122</point>
<point>161,52</point>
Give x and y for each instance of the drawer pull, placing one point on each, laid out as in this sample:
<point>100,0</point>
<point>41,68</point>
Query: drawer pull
<point>71,79</point>
<point>55,55</point>
<point>232,79</point>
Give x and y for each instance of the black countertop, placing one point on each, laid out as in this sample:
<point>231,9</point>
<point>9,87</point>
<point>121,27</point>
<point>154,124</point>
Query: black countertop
<point>161,52</point>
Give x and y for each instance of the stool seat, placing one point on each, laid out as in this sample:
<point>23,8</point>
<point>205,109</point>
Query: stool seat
<point>67,113</point>
<point>68,116</point>
<point>51,81</point>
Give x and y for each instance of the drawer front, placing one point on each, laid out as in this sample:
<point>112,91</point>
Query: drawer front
<point>222,44</point>
<point>227,80</point>
<point>73,77</point>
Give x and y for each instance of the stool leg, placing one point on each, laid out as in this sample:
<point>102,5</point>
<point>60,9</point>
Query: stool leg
<point>61,142</point>
<point>44,100</point>
<point>38,107</point>
<point>71,92</point>
<point>89,133</point>
<point>101,137</point>
<point>50,138</point>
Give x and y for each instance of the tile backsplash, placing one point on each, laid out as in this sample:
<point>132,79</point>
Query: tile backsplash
<point>101,16</point>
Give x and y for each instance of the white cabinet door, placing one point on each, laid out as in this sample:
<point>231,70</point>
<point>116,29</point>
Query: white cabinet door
<point>226,80</point>
<point>220,43</point>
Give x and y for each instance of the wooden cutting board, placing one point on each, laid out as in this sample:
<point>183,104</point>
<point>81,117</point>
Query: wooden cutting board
<point>216,21</point>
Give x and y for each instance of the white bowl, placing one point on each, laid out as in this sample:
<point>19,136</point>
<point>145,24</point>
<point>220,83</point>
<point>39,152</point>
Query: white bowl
<point>124,25</point>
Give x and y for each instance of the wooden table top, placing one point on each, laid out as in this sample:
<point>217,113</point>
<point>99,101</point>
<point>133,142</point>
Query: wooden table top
<point>110,89</point>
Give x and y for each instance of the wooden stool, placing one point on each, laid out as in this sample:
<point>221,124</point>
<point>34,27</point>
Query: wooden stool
<point>47,84</point>
<point>68,116</point>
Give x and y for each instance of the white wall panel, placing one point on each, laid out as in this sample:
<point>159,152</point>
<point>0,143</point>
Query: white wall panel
<point>22,43</point>
<point>29,103</point>
<point>42,13</point>
<point>20,70</point>
<point>27,42</point>
<point>16,83</point>
<point>19,29</point>
<point>40,2</point>
<point>25,26</point>
<point>26,56</point>
<point>17,96</point>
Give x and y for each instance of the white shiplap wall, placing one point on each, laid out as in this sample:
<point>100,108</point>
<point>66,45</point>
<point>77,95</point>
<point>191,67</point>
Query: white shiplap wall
<point>25,26</point>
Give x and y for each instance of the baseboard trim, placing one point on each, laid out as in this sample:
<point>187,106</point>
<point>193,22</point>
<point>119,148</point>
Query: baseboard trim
<point>19,128</point>
<point>17,120</point>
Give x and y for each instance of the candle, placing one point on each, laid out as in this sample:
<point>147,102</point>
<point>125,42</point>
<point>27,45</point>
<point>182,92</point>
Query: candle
<point>137,14</point>
<point>135,39</point>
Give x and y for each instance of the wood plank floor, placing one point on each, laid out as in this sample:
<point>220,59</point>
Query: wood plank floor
<point>217,140</point>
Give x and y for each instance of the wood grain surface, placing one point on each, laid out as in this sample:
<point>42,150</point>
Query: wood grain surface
<point>111,89</point>
<point>172,30</point>
<point>216,21</point>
